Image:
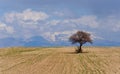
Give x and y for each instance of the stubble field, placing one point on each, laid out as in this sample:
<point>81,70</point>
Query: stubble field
<point>60,60</point>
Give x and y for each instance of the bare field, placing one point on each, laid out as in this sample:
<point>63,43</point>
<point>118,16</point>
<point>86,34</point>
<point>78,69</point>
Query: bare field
<point>62,60</point>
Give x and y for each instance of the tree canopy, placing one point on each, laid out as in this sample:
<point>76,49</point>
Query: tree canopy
<point>80,37</point>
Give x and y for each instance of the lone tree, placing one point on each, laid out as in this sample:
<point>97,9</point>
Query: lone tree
<point>80,37</point>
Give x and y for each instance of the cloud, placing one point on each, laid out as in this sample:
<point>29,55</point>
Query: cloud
<point>64,35</point>
<point>94,36</point>
<point>26,15</point>
<point>61,35</point>
<point>65,12</point>
<point>58,13</point>
<point>26,23</point>
<point>2,26</point>
<point>117,28</point>
<point>27,19</point>
<point>5,28</point>
<point>39,25</point>
<point>54,22</point>
<point>110,23</point>
<point>90,21</point>
<point>29,23</point>
<point>10,30</point>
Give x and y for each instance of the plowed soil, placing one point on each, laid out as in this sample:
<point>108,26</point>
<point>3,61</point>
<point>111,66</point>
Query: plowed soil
<point>62,60</point>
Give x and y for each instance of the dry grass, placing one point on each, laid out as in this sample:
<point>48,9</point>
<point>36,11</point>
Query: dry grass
<point>63,60</point>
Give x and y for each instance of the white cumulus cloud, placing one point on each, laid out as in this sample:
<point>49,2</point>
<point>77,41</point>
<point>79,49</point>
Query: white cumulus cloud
<point>54,22</point>
<point>26,15</point>
<point>90,21</point>
<point>29,23</point>
<point>61,35</point>
<point>5,28</point>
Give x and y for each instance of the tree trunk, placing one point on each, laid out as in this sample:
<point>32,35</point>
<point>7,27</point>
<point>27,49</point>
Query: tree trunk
<point>80,48</point>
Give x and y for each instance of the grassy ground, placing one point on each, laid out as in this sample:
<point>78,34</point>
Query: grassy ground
<point>62,60</point>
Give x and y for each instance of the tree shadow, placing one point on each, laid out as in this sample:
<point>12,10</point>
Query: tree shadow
<point>74,52</point>
<point>69,52</point>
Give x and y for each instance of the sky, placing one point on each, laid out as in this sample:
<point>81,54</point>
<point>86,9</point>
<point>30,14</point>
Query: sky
<point>50,18</point>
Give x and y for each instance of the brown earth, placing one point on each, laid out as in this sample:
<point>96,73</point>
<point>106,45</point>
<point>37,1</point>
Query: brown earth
<point>62,60</point>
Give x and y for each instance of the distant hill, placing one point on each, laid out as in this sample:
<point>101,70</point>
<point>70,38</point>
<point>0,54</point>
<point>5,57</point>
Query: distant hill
<point>105,43</point>
<point>37,41</point>
<point>11,42</point>
<point>40,41</point>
